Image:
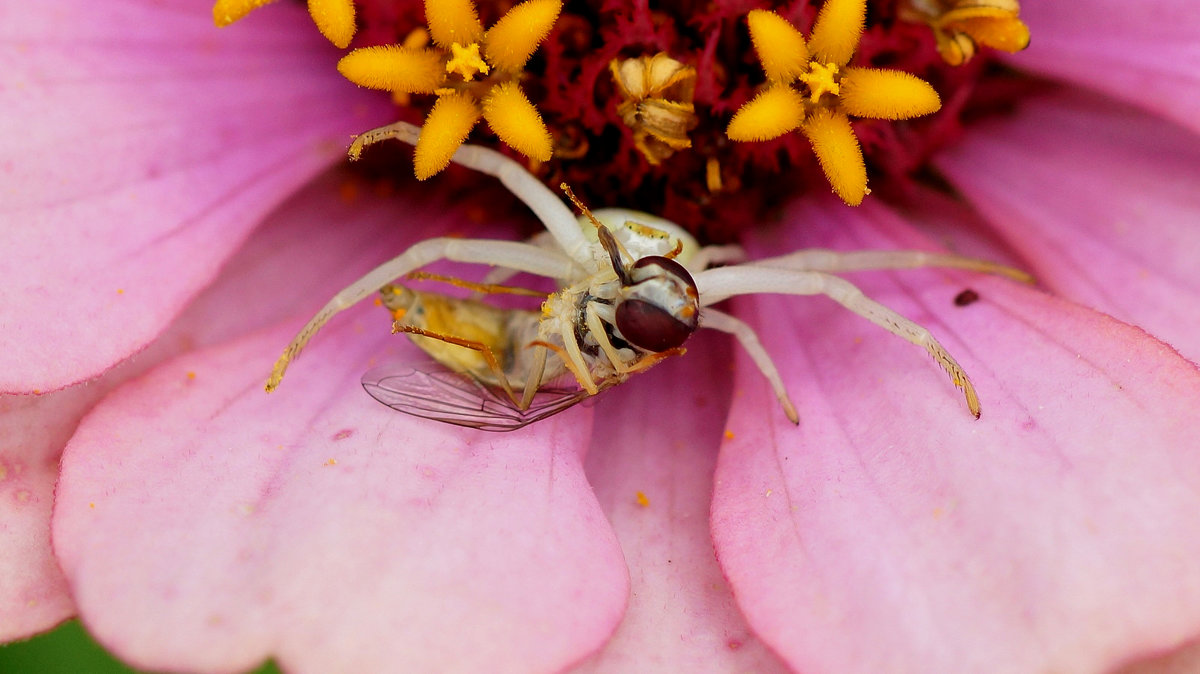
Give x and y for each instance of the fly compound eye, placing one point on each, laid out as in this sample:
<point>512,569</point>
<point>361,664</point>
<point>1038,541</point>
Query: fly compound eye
<point>660,309</point>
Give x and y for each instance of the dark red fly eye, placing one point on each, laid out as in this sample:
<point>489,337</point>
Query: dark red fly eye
<point>650,327</point>
<point>656,265</point>
<point>660,308</point>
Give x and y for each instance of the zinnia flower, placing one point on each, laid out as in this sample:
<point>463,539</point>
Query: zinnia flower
<point>174,208</point>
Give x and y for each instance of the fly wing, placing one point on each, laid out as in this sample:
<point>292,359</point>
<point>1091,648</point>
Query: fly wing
<point>430,391</point>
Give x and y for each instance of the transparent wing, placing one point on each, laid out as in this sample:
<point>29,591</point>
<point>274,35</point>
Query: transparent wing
<point>428,390</point>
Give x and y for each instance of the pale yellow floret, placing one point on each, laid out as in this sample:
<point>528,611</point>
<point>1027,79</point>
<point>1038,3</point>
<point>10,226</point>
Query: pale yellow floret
<point>886,94</point>
<point>226,12</point>
<point>837,149</point>
<point>451,119</point>
<point>466,61</point>
<point>453,21</point>
<point>335,20</point>
<point>514,119</point>
<point>836,33</point>
<point>780,47</point>
<point>771,114</point>
<point>394,68</point>
<point>510,42</point>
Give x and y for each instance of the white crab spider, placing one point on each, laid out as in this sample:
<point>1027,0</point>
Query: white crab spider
<point>623,303</point>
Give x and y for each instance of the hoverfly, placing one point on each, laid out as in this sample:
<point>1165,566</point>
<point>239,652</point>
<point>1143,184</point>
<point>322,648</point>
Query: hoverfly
<point>632,289</point>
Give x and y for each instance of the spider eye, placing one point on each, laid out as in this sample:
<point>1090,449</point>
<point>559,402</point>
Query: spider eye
<point>661,308</point>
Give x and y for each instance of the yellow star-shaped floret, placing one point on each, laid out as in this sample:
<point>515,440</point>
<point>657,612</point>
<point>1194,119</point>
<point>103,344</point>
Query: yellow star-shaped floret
<point>961,26</point>
<point>811,88</point>
<point>334,18</point>
<point>462,50</point>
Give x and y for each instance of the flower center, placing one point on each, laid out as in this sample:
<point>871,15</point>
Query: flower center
<point>821,78</point>
<point>700,113</point>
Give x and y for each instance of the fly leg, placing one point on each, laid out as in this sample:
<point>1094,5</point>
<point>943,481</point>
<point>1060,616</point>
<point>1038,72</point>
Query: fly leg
<point>484,350</point>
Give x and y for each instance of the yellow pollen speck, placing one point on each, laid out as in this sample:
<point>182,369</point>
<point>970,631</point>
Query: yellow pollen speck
<point>821,78</point>
<point>120,291</point>
<point>712,175</point>
<point>191,375</point>
<point>642,499</point>
<point>92,505</point>
<point>331,462</point>
<point>466,61</point>
<point>728,435</point>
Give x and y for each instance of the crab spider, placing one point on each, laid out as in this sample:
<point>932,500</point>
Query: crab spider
<point>632,289</point>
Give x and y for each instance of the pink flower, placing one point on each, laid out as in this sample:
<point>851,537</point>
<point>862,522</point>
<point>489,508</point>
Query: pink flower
<point>171,217</point>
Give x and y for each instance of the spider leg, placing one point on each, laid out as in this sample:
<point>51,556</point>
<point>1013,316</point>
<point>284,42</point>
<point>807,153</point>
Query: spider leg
<point>553,213</point>
<point>718,284</point>
<point>710,255</point>
<point>719,320</point>
<point>824,260</point>
<point>520,256</point>
<point>484,350</point>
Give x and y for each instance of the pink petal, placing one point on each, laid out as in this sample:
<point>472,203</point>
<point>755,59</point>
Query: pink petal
<point>290,264</point>
<point>1145,53</point>
<point>657,436</point>
<point>146,144</point>
<point>33,592</point>
<point>1103,203</point>
<point>893,532</point>
<point>206,525</point>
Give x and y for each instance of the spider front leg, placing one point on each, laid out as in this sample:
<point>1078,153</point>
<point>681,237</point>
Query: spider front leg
<point>544,203</point>
<point>519,256</point>
<point>718,284</point>
<point>832,261</point>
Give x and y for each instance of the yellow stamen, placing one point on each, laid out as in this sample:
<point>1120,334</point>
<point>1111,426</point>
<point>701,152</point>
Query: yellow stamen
<point>821,79</point>
<point>453,21</point>
<point>771,114</point>
<point>510,42</point>
<point>886,94</point>
<point>226,12</point>
<point>335,20</point>
<point>837,30</point>
<point>837,149</point>
<point>1006,33</point>
<point>466,61</point>
<point>514,119</point>
<point>446,127</point>
<point>394,68</point>
<point>780,47</point>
